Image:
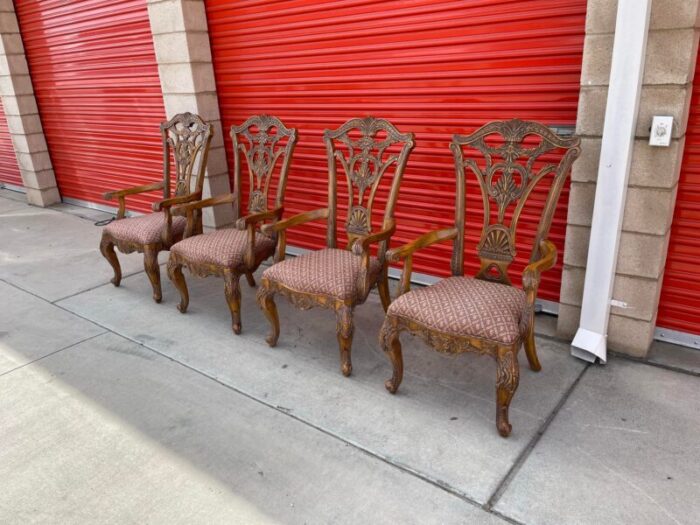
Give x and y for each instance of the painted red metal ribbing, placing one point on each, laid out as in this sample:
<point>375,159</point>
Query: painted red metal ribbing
<point>96,82</point>
<point>435,68</point>
<point>679,306</point>
<point>9,170</point>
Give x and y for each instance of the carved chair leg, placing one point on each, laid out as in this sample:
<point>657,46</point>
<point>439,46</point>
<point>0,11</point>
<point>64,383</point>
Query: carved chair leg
<point>178,279</point>
<point>150,263</point>
<point>266,300</point>
<point>251,280</point>
<point>531,349</point>
<point>344,329</point>
<point>107,250</point>
<point>383,287</point>
<point>507,378</point>
<point>391,345</point>
<point>233,298</point>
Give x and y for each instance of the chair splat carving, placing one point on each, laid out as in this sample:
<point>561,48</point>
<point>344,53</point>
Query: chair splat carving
<point>510,171</point>
<point>186,137</point>
<point>364,160</point>
<point>262,140</point>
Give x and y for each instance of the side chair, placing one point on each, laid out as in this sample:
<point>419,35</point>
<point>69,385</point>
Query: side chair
<point>486,314</point>
<point>186,137</point>
<point>365,149</point>
<point>267,147</point>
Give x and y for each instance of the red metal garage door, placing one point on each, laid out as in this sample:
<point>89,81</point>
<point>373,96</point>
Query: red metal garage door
<point>679,306</point>
<point>96,81</point>
<point>431,67</point>
<point>9,170</point>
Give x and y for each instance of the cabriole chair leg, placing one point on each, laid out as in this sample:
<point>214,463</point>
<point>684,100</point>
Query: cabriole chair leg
<point>345,329</point>
<point>178,279</point>
<point>233,298</point>
<point>150,263</point>
<point>266,300</point>
<point>507,379</point>
<point>107,250</point>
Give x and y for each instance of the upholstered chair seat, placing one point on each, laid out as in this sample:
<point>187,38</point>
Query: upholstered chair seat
<point>466,307</point>
<point>225,247</point>
<point>329,271</point>
<point>146,229</point>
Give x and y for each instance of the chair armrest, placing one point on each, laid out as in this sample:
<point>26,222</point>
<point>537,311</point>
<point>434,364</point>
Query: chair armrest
<point>295,220</point>
<point>174,201</point>
<point>421,242</point>
<point>406,252</point>
<point>280,228</point>
<point>361,245</point>
<point>121,195</point>
<point>254,218</point>
<point>228,198</point>
<point>533,271</point>
<point>108,196</point>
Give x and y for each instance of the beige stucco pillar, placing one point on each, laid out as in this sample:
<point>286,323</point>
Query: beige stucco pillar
<point>181,41</point>
<point>22,113</point>
<point>667,84</point>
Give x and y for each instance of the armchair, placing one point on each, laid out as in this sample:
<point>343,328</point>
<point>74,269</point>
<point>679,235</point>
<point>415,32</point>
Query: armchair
<point>229,253</point>
<point>486,314</point>
<point>187,137</point>
<point>334,278</point>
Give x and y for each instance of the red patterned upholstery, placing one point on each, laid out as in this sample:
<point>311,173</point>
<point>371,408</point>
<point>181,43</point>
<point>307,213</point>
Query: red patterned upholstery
<point>329,272</point>
<point>224,247</point>
<point>466,307</point>
<point>146,229</point>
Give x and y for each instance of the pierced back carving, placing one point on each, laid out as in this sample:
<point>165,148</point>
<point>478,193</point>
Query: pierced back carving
<point>365,149</point>
<point>187,137</point>
<point>262,140</point>
<point>514,158</point>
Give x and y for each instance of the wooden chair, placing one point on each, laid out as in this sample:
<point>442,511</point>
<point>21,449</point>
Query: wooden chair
<point>486,314</point>
<point>187,137</point>
<point>229,253</point>
<point>334,278</point>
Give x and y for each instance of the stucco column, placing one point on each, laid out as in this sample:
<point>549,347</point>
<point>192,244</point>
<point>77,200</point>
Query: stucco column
<point>22,113</point>
<point>181,41</point>
<point>667,85</point>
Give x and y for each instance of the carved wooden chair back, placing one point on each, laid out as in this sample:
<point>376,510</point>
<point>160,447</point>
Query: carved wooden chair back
<point>262,140</point>
<point>365,149</point>
<point>186,137</point>
<point>515,156</point>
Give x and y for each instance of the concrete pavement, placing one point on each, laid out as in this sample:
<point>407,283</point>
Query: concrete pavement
<point>118,410</point>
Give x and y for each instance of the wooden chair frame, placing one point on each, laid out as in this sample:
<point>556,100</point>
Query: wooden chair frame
<point>366,162</point>
<point>262,150</point>
<point>187,138</point>
<point>504,181</point>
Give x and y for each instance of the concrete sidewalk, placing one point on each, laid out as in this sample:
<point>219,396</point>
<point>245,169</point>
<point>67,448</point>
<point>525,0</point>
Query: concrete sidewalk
<point>114,409</point>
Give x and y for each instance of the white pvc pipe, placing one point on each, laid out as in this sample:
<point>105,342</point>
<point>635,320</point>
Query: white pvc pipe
<point>626,71</point>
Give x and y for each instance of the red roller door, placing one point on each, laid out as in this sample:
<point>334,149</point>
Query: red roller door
<point>679,306</point>
<point>431,67</point>
<point>96,82</point>
<point>9,170</point>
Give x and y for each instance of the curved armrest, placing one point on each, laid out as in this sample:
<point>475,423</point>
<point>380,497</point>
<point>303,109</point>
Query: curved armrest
<point>280,228</point>
<point>406,252</point>
<point>174,201</point>
<point>254,218</point>
<point>205,203</point>
<point>295,220</point>
<point>121,195</point>
<point>532,272</point>
<point>421,242</point>
<point>361,245</point>
<point>108,196</point>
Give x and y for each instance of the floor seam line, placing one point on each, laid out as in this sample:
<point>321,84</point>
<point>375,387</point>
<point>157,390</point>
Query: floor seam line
<point>522,457</point>
<point>53,353</point>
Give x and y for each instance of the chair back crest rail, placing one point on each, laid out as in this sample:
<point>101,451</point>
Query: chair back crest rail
<point>262,140</point>
<point>186,137</point>
<point>365,149</point>
<point>513,162</point>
